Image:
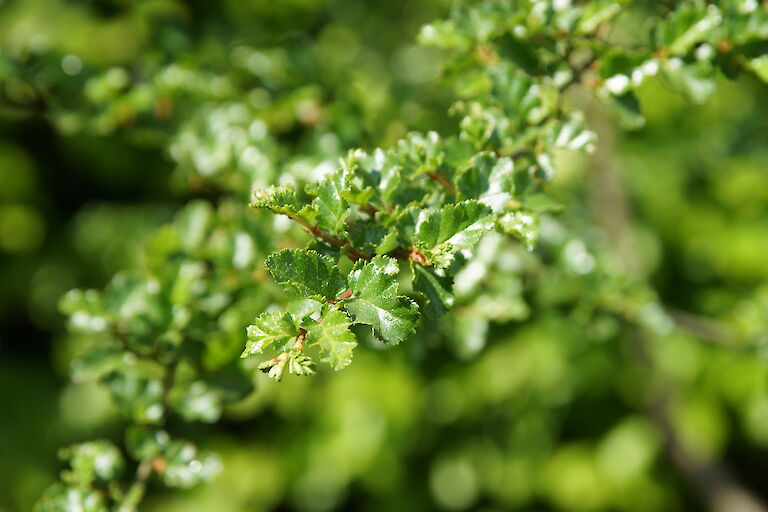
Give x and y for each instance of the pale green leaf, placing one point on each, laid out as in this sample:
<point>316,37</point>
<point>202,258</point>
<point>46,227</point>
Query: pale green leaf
<point>332,336</point>
<point>62,498</point>
<point>270,329</point>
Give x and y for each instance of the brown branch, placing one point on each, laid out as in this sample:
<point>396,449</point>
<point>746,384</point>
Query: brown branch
<point>367,208</point>
<point>299,344</point>
<point>354,253</point>
<point>711,479</point>
<point>703,328</point>
<point>445,182</point>
<point>135,492</point>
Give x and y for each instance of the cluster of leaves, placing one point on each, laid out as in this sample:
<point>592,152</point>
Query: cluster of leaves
<point>91,484</point>
<point>164,341</point>
<point>393,231</point>
<point>428,200</point>
<point>543,41</point>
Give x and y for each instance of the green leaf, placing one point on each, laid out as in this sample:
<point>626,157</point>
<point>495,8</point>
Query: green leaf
<point>139,398</point>
<point>188,283</point>
<point>198,402</point>
<point>517,94</point>
<point>759,66</point>
<point>443,34</point>
<point>62,498</point>
<point>627,108</point>
<point>332,336</point>
<point>522,225</point>
<point>143,442</point>
<point>375,301</point>
<point>271,329</point>
<point>373,237</point>
<point>332,208</point>
<point>193,222</point>
<point>696,80</point>
<point>91,461</point>
<point>307,272</point>
<point>295,361</point>
<point>285,200</point>
<point>595,13</point>
<point>571,133</point>
<point>85,310</point>
<point>452,228</point>
<point>186,466</point>
<point>300,363</point>
<point>420,153</point>
<point>436,289</point>
<point>488,179</point>
<point>97,361</point>
<point>688,25</point>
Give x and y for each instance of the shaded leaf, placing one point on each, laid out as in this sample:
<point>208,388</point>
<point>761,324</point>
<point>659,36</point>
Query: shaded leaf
<point>436,289</point>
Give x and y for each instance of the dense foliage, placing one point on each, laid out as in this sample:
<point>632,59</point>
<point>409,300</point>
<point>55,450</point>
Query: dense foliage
<point>551,356</point>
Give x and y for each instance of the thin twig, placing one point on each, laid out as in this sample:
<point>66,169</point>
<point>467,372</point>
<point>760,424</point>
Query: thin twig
<point>442,180</point>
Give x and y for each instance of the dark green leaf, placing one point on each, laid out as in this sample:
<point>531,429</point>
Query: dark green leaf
<point>307,272</point>
<point>375,301</point>
<point>489,180</point>
<point>436,289</point>
<point>331,206</point>
<point>285,200</point>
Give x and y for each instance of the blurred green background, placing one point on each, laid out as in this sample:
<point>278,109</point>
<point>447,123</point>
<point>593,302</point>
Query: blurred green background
<point>550,409</point>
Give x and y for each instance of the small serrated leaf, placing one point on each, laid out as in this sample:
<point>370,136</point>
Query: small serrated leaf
<point>571,133</point>
<point>452,228</point>
<point>271,329</point>
<point>489,179</point>
<point>333,209</point>
<point>523,225</point>
<point>436,289</point>
<point>300,363</point>
<point>332,336</point>
<point>375,301</point>
<point>310,274</point>
<point>688,25</point>
<point>285,200</point>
